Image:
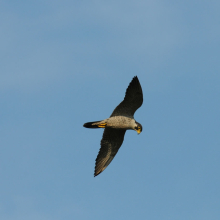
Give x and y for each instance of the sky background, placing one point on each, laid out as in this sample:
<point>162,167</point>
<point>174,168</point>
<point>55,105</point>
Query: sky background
<point>64,63</point>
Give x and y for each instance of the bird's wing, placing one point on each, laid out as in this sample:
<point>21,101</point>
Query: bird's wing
<point>132,101</point>
<point>111,142</point>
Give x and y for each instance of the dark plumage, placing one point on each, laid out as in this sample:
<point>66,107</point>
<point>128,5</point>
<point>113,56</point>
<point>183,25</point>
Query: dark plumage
<point>132,101</point>
<point>120,120</point>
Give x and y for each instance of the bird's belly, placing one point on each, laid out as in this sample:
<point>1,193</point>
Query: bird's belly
<point>119,122</point>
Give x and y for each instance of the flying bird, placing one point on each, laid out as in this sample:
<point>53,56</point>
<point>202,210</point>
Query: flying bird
<point>121,119</point>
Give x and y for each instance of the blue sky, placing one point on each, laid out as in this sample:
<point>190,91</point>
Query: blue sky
<point>64,63</point>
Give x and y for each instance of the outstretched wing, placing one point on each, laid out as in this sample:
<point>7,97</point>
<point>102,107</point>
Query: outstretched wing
<point>132,101</point>
<point>111,142</point>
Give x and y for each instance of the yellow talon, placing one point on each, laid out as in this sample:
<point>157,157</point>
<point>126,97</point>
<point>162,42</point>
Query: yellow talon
<point>103,125</point>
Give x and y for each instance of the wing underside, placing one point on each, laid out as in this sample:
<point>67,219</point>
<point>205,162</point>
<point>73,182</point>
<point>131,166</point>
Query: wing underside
<point>132,101</point>
<point>111,142</point>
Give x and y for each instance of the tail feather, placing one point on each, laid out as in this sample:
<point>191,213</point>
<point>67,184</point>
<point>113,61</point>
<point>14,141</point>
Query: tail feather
<point>90,124</point>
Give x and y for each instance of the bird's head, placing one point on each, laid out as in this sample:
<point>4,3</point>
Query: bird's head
<point>138,127</point>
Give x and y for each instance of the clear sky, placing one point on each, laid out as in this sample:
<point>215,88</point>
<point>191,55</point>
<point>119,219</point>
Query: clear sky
<point>64,63</point>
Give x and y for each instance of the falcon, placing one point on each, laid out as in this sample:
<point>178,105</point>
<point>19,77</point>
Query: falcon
<point>121,119</point>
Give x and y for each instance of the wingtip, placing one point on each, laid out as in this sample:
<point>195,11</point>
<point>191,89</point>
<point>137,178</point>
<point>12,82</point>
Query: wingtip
<point>96,174</point>
<point>136,78</point>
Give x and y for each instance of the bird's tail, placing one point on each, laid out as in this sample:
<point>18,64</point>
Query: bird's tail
<point>94,124</point>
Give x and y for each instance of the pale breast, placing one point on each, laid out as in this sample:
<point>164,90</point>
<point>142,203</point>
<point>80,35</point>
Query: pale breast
<point>120,122</point>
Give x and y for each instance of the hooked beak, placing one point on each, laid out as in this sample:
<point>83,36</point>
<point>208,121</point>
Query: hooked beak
<point>139,131</point>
